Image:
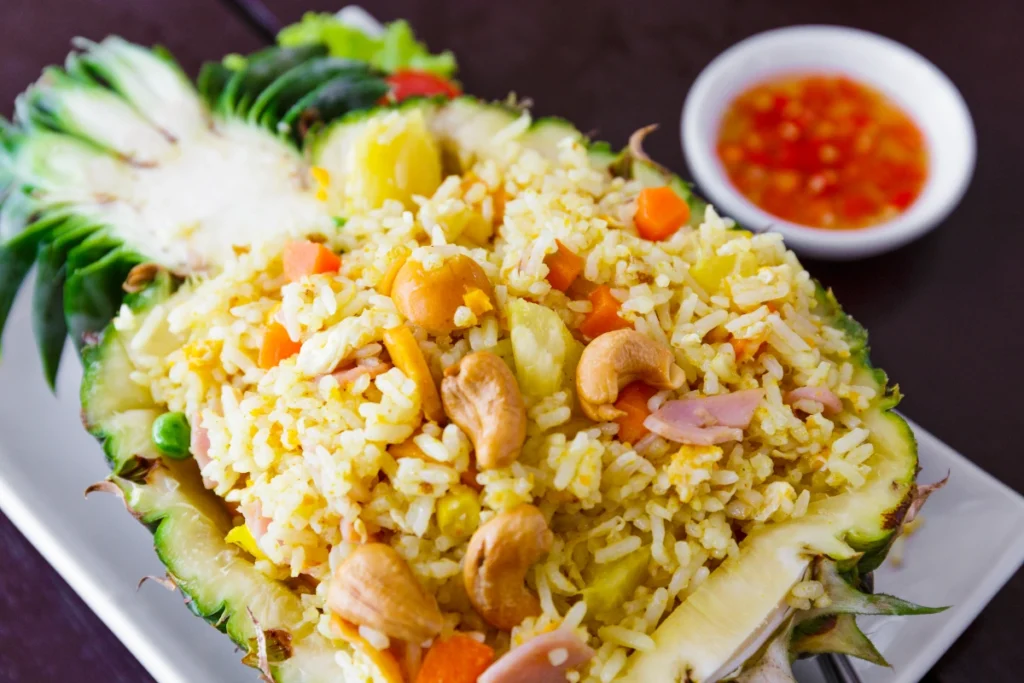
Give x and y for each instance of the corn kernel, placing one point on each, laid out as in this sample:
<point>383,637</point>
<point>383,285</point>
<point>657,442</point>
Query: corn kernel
<point>243,538</point>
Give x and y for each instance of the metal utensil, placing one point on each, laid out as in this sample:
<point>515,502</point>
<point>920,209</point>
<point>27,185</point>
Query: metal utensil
<point>837,669</point>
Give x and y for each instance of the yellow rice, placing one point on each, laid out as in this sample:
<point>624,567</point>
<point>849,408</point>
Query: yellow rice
<point>314,454</point>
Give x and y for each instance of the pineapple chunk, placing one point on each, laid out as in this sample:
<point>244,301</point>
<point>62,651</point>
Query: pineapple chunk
<point>609,585</point>
<point>469,225</point>
<point>709,271</point>
<point>540,346</point>
<point>573,351</point>
<point>396,157</point>
<point>477,229</point>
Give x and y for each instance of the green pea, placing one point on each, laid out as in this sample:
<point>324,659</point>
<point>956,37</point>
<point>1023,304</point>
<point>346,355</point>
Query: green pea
<point>172,435</point>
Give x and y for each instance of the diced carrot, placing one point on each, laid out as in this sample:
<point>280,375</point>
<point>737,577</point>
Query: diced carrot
<point>458,659</point>
<point>659,213</point>
<point>385,662</point>
<point>406,355</point>
<point>305,258</point>
<point>632,401</point>
<point>604,316</point>
<point>277,346</point>
<point>564,266</point>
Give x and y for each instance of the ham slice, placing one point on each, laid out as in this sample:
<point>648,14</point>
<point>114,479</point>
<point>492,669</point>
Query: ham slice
<point>830,403</point>
<point>706,420</point>
<point>543,659</point>
<point>200,448</point>
<point>254,519</point>
<point>368,366</point>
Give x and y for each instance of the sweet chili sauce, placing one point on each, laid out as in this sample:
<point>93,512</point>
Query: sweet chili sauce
<point>823,151</point>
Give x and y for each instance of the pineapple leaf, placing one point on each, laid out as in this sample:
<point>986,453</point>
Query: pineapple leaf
<point>836,633</point>
<point>19,247</point>
<point>94,114</point>
<point>262,69</point>
<point>16,216</point>
<point>332,100</point>
<point>19,244</point>
<point>775,664</point>
<point>846,599</point>
<point>48,319</point>
<point>90,250</point>
<point>35,107</point>
<point>92,294</point>
<point>48,160</point>
<point>78,68</point>
<point>14,266</point>
<point>291,86</point>
<point>155,85</point>
<point>213,77</point>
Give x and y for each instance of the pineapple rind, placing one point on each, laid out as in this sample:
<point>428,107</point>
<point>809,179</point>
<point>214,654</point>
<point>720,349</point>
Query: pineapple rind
<point>837,633</point>
<point>219,582</point>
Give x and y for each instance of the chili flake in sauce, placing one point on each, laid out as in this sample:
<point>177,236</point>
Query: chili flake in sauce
<point>823,151</point>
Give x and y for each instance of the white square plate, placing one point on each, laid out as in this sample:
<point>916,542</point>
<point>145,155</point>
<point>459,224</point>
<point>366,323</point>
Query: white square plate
<point>971,535</point>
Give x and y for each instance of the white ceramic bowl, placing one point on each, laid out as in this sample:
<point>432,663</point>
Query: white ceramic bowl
<point>906,77</point>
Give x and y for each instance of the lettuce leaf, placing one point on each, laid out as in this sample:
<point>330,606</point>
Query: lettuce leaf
<point>397,48</point>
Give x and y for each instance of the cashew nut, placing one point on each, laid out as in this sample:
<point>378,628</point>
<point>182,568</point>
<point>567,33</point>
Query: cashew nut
<point>497,559</point>
<point>481,396</point>
<point>617,358</point>
<point>374,587</point>
<point>430,298</point>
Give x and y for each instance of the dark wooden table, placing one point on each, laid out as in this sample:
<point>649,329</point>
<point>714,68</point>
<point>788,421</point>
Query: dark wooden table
<point>946,314</point>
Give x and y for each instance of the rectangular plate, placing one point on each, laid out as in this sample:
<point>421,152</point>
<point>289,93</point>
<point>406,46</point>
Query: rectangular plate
<point>47,460</point>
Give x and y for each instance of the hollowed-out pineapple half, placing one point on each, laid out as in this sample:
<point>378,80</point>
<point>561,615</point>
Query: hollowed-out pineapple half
<point>735,626</point>
<point>117,159</point>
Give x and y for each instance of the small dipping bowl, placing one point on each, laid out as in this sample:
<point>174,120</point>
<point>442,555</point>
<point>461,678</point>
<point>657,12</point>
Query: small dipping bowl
<point>905,77</point>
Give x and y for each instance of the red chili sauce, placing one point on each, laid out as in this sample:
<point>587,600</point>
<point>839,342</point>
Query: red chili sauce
<point>823,151</point>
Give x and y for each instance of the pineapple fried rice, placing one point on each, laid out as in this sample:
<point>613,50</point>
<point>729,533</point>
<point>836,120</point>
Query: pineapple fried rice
<point>341,444</point>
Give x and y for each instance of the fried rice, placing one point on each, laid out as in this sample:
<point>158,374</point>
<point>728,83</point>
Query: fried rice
<point>327,462</point>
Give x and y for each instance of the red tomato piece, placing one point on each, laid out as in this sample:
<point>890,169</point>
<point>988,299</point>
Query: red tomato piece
<point>411,83</point>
